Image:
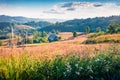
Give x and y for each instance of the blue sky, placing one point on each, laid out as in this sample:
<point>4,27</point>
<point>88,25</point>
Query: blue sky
<point>60,9</point>
<point>50,1</point>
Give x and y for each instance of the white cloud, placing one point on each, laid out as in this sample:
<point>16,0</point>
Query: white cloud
<point>66,10</point>
<point>86,9</point>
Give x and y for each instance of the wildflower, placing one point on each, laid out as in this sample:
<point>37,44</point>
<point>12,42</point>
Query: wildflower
<point>90,70</point>
<point>76,65</point>
<point>91,77</point>
<point>78,73</point>
<point>77,56</point>
<point>97,60</point>
<point>88,67</point>
<point>107,68</point>
<point>68,68</point>
<point>64,73</point>
<point>67,64</point>
<point>81,68</point>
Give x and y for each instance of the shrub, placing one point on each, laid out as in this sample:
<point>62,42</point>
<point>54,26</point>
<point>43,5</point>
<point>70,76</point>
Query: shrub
<point>59,38</point>
<point>96,34</point>
<point>40,40</point>
<point>74,34</point>
<point>30,41</point>
<point>113,28</point>
<point>43,40</point>
<point>90,41</point>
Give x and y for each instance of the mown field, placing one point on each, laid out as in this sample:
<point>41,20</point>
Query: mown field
<point>64,60</point>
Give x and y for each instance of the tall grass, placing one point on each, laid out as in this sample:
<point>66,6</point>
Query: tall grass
<point>103,66</point>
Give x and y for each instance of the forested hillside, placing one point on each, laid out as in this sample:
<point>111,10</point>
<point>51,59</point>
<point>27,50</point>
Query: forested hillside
<point>67,26</point>
<point>80,24</point>
<point>38,25</point>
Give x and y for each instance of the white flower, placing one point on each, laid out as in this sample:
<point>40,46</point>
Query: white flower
<point>88,67</point>
<point>97,60</point>
<point>77,73</point>
<point>64,73</point>
<point>81,68</point>
<point>76,65</point>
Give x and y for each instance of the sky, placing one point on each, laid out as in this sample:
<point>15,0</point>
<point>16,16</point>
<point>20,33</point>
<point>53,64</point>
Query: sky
<point>60,9</point>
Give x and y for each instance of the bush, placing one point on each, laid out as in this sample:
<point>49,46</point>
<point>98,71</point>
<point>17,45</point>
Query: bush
<point>90,41</point>
<point>74,34</point>
<point>40,40</point>
<point>59,38</point>
<point>30,41</point>
<point>96,34</point>
<point>43,40</point>
<point>113,27</point>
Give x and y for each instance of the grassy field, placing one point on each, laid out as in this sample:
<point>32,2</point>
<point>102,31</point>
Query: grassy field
<point>62,60</point>
<point>103,65</point>
<point>106,38</point>
<point>57,48</point>
<point>64,47</point>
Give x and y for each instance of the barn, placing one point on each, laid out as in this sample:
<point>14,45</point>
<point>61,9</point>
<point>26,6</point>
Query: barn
<point>52,37</point>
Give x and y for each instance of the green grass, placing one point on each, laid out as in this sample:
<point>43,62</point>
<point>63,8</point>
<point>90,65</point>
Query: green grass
<point>107,38</point>
<point>104,65</point>
<point>96,34</point>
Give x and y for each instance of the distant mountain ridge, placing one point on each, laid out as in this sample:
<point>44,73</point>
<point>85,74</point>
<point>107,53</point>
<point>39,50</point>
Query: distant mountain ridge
<point>17,19</point>
<point>20,19</point>
<point>67,26</point>
<point>80,24</point>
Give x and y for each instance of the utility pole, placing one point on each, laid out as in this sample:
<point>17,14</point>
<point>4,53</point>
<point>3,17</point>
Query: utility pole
<point>25,37</point>
<point>12,36</point>
<point>18,38</point>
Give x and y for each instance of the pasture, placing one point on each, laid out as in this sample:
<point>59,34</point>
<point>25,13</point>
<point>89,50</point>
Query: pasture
<point>62,60</point>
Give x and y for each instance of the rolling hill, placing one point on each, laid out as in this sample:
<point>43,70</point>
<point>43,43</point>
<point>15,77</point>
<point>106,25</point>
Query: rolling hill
<point>38,25</point>
<point>17,19</point>
<point>80,24</point>
<point>5,27</point>
<point>67,26</point>
<point>20,19</point>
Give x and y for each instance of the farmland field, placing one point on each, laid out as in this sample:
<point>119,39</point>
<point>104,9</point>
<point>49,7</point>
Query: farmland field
<point>67,59</point>
<point>58,48</point>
